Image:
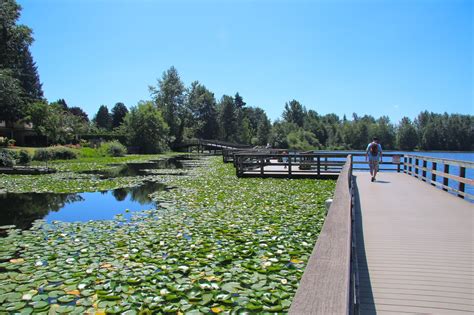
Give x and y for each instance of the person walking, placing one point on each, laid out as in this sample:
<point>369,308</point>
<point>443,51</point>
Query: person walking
<point>373,153</point>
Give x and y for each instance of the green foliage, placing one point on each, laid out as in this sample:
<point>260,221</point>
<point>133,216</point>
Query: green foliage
<point>294,113</point>
<point>118,114</point>
<point>7,158</point>
<point>55,153</point>
<point>103,119</point>
<point>169,98</point>
<point>407,137</point>
<point>302,140</point>
<point>227,119</point>
<point>24,157</point>
<point>55,123</point>
<point>145,127</point>
<point>19,79</point>
<point>112,148</point>
<point>202,109</point>
<point>217,244</point>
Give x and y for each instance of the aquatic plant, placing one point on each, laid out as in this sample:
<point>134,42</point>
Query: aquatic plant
<point>217,244</point>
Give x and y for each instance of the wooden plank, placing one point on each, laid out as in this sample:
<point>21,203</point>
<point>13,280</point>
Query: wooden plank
<point>324,287</point>
<point>464,180</point>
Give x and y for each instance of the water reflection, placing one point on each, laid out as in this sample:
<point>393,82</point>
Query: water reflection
<point>138,169</point>
<point>22,209</point>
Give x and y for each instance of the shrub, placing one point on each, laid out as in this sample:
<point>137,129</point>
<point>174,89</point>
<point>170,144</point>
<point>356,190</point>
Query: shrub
<point>7,158</point>
<point>11,142</point>
<point>3,141</point>
<point>24,157</point>
<point>113,148</point>
<point>55,153</point>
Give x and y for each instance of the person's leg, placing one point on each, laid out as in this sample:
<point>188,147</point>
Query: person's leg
<point>376,168</point>
<point>371,168</point>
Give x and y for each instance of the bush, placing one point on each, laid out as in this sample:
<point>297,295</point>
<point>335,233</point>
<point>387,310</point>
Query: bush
<point>3,141</point>
<point>7,158</point>
<point>55,153</point>
<point>113,148</point>
<point>11,142</point>
<point>24,158</point>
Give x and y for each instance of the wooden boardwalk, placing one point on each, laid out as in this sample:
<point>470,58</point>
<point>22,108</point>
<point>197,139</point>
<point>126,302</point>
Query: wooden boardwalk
<point>415,247</point>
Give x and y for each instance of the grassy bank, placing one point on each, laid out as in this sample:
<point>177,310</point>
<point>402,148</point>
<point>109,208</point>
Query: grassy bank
<point>217,244</point>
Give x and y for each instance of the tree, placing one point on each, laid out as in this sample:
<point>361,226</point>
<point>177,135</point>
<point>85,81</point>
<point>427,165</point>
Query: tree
<point>227,118</point>
<point>302,140</point>
<point>12,104</point>
<point>169,98</point>
<point>264,132</point>
<point>201,105</point>
<point>103,119</point>
<point>15,55</point>
<point>77,111</point>
<point>145,127</point>
<point>407,137</point>
<point>294,113</point>
<point>118,114</point>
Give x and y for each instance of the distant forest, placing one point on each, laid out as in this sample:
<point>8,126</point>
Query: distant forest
<point>175,113</point>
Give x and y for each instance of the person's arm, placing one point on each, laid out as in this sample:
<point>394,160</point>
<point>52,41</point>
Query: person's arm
<point>367,153</point>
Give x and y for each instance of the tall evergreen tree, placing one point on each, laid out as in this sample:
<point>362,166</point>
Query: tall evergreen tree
<point>15,55</point>
<point>202,107</point>
<point>407,137</point>
<point>294,113</point>
<point>103,119</point>
<point>118,114</point>
<point>169,97</point>
<point>227,118</point>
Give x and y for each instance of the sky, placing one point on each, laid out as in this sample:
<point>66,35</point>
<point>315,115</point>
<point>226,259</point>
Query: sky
<point>375,57</point>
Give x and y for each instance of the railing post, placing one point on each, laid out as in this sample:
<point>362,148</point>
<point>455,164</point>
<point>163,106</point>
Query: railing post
<point>433,175</point>
<point>319,166</point>
<point>423,172</point>
<point>262,164</point>
<point>445,179</point>
<point>405,164</point>
<point>289,165</point>
<point>326,163</point>
<point>410,167</point>
<point>416,167</point>
<point>462,174</point>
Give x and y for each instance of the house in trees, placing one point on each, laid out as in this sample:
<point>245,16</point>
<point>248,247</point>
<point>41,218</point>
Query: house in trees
<point>22,133</point>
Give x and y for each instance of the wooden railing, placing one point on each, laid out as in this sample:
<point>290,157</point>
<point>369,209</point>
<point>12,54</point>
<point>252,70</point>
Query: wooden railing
<point>438,168</point>
<point>251,163</point>
<point>325,287</point>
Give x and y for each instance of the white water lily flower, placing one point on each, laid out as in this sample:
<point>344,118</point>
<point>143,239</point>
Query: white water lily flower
<point>267,263</point>
<point>84,250</point>
<point>39,263</point>
<point>70,260</point>
<point>126,255</point>
<point>162,243</point>
<point>210,256</point>
<point>26,297</point>
<point>183,268</point>
<point>77,240</point>
<point>279,252</point>
<point>163,267</point>
<point>134,250</point>
<point>284,281</point>
<point>81,286</point>
<point>273,260</point>
<point>163,292</point>
<point>90,270</point>
<point>305,244</point>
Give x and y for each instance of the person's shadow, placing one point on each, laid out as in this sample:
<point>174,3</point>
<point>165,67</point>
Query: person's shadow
<point>381,181</point>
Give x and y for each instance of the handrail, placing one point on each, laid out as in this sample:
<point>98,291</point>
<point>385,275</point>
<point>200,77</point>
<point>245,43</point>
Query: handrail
<point>411,166</point>
<point>325,287</point>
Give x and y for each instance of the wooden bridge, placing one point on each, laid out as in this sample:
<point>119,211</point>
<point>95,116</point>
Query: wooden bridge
<point>215,145</point>
<point>399,245</point>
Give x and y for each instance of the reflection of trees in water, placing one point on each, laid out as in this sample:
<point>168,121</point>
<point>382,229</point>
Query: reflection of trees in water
<point>22,209</point>
<point>140,193</point>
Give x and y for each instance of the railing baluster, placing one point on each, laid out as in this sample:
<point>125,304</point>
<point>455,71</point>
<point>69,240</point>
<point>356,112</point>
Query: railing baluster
<point>262,165</point>
<point>405,164</point>
<point>433,175</point>
<point>416,167</point>
<point>445,179</point>
<point>289,165</point>
<point>410,165</point>
<point>462,174</point>
<point>319,165</point>
<point>423,173</point>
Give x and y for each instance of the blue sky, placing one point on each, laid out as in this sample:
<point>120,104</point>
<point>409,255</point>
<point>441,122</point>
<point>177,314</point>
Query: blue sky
<point>393,58</point>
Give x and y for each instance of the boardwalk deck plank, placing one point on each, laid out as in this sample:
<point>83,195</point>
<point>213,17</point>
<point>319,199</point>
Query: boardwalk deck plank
<point>415,247</point>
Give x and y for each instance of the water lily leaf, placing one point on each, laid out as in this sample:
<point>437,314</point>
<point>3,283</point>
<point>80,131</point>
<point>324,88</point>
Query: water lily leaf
<point>231,287</point>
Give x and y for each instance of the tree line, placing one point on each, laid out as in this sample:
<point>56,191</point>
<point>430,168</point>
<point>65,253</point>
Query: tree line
<point>175,113</point>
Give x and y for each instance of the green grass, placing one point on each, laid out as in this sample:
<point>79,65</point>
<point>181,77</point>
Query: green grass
<point>217,244</point>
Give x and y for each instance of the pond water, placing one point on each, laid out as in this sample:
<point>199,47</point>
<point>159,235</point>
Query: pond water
<point>22,209</point>
<point>140,169</point>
